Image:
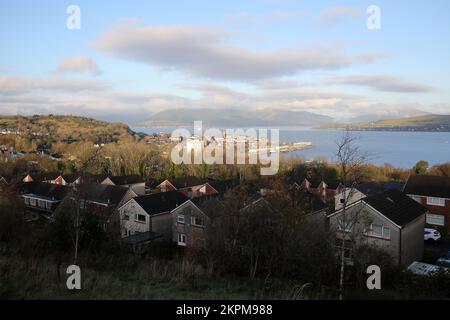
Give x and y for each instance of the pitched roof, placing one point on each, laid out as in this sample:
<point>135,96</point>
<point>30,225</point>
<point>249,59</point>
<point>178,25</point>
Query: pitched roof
<point>70,178</point>
<point>43,189</point>
<point>102,193</point>
<point>186,182</point>
<point>39,177</point>
<point>222,186</point>
<point>427,185</point>
<point>123,180</point>
<point>396,206</point>
<point>371,188</point>
<point>161,202</point>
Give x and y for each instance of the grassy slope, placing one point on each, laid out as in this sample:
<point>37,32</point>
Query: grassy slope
<point>420,123</point>
<point>36,279</point>
<point>62,127</point>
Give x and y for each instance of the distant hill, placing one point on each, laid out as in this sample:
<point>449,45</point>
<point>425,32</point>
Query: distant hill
<point>66,128</point>
<point>235,118</point>
<point>432,123</point>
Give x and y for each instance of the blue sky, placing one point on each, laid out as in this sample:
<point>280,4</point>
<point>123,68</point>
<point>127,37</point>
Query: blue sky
<point>133,58</point>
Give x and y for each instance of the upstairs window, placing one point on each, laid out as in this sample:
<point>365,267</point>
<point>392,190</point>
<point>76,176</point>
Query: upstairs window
<point>436,201</point>
<point>379,231</point>
<point>345,225</point>
<point>141,218</point>
<point>196,221</point>
<point>181,219</point>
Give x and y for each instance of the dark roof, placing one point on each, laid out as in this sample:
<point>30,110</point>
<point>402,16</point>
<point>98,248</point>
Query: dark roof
<point>70,178</point>
<point>161,202</point>
<point>427,185</point>
<point>94,178</point>
<point>185,182</point>
<point>223,186</point>
<point>396,206</point>
<point>43,189</point>
<point>371,188</point>
<point>142,237</point>
<point>123,180</point>
<point>39,177</point>
<point>102,193</point>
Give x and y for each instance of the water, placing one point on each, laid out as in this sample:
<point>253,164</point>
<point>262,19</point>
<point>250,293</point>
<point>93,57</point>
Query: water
<point>400,149</point>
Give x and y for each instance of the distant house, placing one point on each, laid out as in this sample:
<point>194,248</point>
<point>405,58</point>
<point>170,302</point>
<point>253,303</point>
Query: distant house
<point>194,187</point>
<point>43,197</point>
<point>434,193</point>
<point>49,177</point>
<point>390,221</point>
<point>134,182</point>
<point>170,214</point>
<point>181,184</point>
<point>3,182</point>
<point>325,190</point>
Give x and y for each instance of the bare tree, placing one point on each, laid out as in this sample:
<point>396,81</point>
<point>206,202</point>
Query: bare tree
<point>350,159</point>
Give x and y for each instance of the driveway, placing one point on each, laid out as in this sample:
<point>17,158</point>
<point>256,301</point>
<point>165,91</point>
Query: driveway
<point>441,247</point>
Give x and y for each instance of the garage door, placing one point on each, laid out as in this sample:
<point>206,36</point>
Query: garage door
<point>435,219</point>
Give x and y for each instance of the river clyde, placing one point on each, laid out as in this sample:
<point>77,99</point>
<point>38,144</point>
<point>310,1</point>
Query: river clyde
<point>400,149</point>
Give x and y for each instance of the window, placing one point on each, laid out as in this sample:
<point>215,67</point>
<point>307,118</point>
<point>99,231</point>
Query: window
<point>27,200</point>
<point>181,219</point>
<point>435,219</point>
<point>126,217</point>
<point>379,231</point>
<point>195,221</point>
<point>436,201</point>
<point>141,218</point>
<point>346,225</point>
<point>48,205</point>
<point>181,239</point>
<point>33,202</point>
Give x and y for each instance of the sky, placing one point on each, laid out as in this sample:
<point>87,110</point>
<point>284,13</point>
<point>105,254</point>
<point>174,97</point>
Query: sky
<point>130,59</point>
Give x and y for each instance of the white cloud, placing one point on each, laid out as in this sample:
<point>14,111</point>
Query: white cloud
<point>245,18</point>
<point>382,83</point>
<point>204,52</point>
<point>19,85</point>
<point>78,64</point>
<point>330,16</point>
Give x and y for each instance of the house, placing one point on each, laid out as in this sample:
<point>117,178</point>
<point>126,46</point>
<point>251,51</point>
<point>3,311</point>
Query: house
<point>171,214</point>
<point>194,187</point>
<point>434,193</point>
<point>325,190</point>
<point>390,221</point>
<point>182,184</point>
<point>100,199</point>
<point>49,177</point>
<point>135,182</point>
<point>43,197</point>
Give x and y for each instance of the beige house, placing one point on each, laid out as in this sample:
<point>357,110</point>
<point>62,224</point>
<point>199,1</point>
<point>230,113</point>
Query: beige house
<point>171,215</point>
<point>390,221</point>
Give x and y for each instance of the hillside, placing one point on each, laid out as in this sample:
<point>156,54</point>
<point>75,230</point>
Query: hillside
<point>235,118</point>
<point>65,128</point>
<point>431,123</point>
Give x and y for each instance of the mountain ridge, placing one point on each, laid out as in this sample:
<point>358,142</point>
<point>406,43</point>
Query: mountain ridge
<point>235,118</point>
